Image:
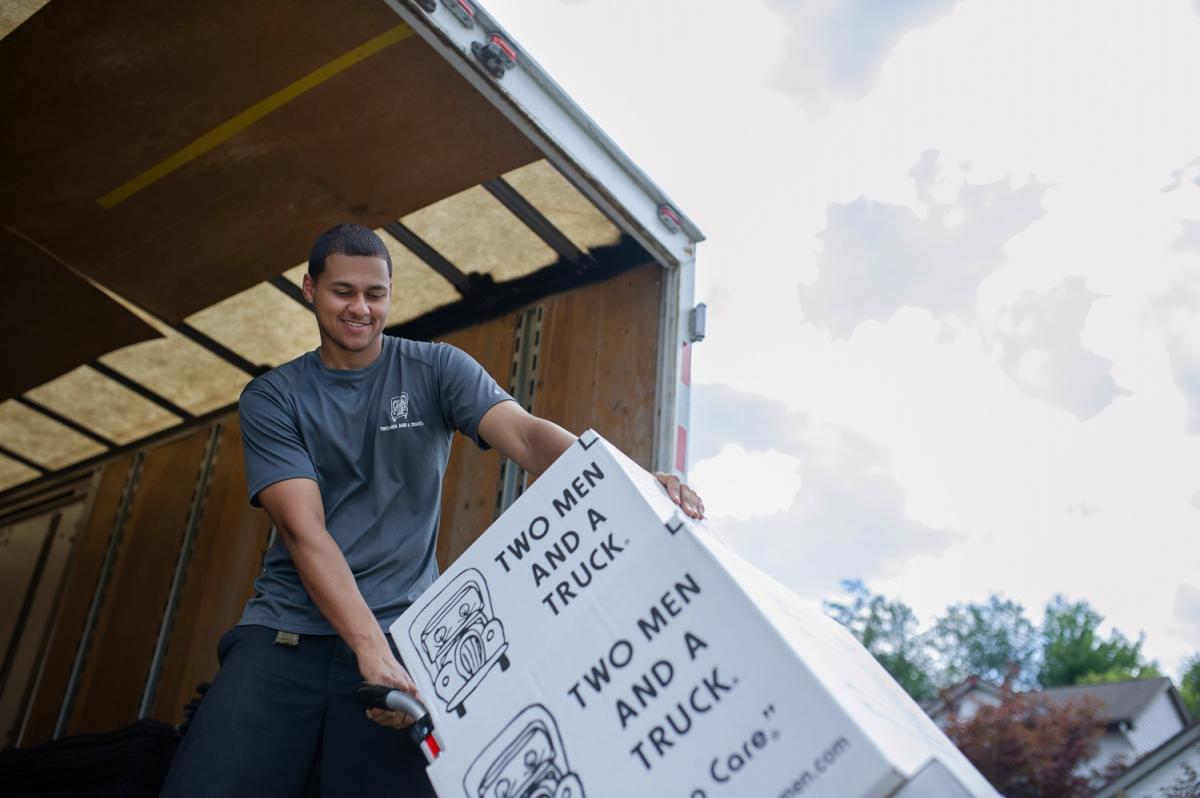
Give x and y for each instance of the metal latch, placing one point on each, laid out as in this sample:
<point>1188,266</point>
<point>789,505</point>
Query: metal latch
<point>497,56</point>
<point>670,218</point>
<point>698,322</point>
<point>463,11</point>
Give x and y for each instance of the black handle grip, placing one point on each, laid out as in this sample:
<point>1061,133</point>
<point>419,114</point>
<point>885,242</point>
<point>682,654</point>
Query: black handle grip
<point>379,696</point>
<point>372,696</point>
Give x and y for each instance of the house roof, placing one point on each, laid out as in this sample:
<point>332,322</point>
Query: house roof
<point>1119,701</point>
<point>1151,762</point>
<point>952,696</point>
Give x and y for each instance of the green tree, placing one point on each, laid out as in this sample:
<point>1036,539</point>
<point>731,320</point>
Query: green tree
<point>1189,684</point>
<point>887,629</point>
<point>993,640</point>
<point>1186,786</point>
<point>1073,652</point>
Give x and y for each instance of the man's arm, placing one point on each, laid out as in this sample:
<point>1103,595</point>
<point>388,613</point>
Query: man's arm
<point>534,443</point>
<point>295,507</point>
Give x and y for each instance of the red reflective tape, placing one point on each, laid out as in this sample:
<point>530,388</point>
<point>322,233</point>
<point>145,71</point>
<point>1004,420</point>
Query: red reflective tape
<point>465,6</point>
<point>685,368</point>
<point>681,450</point>
<point>503,45</point>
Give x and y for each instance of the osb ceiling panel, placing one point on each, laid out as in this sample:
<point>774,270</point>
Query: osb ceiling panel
<point>416,288</point>
<point>102,405</point>
<point>13,473</point>
<point>565,208</point>
<point>37,438</point>
<point>74,321</point>
<point>97,93</point>
<point>261,324</point>
<point>14,12</point>
<point>181,371</point>
<point>478,234</point>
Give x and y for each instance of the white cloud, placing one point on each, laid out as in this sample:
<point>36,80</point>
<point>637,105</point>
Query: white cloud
<point>814,505</point>
<point>1177,311</point>
<point>1189,236</point>
<point>1187,611</point>
<point>1100,106</point>
<point>835,47</point>
<point>1041,350</point>
<point>879,257</point>
<point>740,484</point>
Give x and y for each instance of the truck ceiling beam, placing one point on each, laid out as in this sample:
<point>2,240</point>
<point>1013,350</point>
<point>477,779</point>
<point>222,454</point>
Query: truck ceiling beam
<point>140,390</point>
<point>504,297</point>
<point>510,198</point>
<point>69,423</point>
<point>218,349</point>
<point>290,289</point>
<point>434,260</point>
<point>25,461</point>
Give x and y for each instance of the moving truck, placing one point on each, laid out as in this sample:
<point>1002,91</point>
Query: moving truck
<point>166,168</point>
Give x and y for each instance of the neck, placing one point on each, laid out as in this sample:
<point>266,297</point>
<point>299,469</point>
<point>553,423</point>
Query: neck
<point>336,357</point>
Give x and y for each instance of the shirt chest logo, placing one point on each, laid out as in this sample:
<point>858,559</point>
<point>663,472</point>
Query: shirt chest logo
<point>399,407</point>
<point>397,413</point>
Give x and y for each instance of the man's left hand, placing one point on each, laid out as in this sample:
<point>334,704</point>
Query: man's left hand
<point>687,499</point>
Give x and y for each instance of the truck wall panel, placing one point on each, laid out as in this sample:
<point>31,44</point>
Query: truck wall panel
<point>473,476</point>
<point>118,663</point>
<point>226,558</point>
<point>598,358</point>
<point>94,533</point>
<point>41,601</point>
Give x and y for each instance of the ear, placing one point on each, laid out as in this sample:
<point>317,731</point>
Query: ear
<point>307,287</point>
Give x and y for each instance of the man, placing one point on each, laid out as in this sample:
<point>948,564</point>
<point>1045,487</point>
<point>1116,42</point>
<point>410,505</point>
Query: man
<point>354,494</point>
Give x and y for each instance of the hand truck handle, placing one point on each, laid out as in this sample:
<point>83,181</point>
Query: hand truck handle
<point>379,696</point>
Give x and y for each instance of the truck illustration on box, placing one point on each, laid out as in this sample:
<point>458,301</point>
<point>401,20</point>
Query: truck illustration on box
<point>526,760</point>
<point>459,638</point>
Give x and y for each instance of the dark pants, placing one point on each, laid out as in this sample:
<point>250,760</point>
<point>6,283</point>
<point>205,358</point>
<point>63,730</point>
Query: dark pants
<point>282,721</point>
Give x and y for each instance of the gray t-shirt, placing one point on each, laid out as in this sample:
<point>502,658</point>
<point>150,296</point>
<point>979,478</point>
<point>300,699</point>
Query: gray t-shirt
<point>376,441</point>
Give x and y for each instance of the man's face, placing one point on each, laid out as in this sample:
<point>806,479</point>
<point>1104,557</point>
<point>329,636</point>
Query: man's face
<point>350,299</point>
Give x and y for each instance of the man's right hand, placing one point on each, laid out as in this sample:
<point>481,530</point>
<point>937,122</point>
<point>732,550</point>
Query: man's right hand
<point>383,668</point>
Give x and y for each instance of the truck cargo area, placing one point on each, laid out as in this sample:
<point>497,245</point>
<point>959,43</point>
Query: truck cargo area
<point>167,167</point>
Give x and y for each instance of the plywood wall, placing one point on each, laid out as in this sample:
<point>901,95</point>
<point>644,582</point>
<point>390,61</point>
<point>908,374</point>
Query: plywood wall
<point>597,367</point>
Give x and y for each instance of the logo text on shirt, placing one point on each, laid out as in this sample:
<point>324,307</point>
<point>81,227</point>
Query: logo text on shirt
<point>398,412</point>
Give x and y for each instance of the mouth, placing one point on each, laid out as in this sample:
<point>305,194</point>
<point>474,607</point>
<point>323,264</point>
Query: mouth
<point>356,326</point>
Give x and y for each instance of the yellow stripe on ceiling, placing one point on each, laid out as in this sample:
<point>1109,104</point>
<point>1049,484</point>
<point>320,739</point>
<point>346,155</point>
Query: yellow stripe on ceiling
<point>227,130</point>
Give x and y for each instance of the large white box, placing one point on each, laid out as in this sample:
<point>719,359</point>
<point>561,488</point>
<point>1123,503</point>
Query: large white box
<point>596,642</point>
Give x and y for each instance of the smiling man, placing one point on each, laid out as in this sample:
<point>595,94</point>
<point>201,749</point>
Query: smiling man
<point>345,449</point>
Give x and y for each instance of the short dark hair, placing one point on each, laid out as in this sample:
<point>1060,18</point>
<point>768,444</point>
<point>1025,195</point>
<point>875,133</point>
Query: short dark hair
<point>346,239</point>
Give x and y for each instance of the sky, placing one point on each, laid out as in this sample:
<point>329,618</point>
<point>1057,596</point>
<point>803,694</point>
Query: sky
<point>952,272</point>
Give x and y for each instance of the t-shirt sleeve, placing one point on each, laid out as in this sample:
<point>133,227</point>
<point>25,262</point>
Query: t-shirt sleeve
<point>467,391</point>
<point>271,443</point>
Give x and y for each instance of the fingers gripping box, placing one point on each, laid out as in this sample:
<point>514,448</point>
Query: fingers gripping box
<point>594,642</point>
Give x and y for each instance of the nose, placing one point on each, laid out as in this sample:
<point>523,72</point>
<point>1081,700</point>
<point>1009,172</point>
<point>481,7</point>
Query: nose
<point>359,306</point>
